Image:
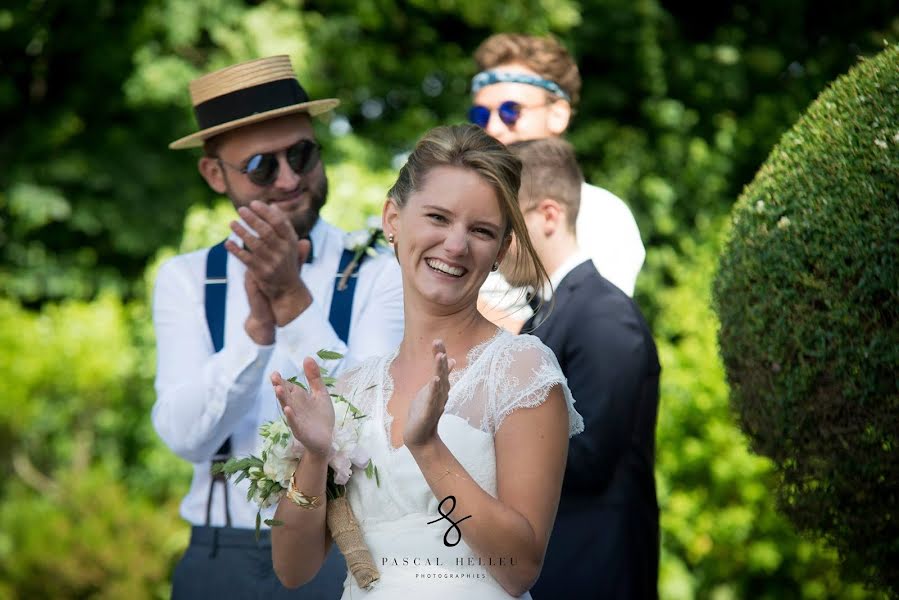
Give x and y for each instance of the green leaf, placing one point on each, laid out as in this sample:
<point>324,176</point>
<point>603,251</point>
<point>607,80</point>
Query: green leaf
<point>273,522</point>
<point>329,355</point>
<point>353,409</point>
<point>258,524</point>
<point>297,382</point>
<point>329,381</point>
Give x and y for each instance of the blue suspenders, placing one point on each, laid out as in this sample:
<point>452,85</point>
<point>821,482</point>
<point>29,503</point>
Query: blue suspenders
<point>214,299</point>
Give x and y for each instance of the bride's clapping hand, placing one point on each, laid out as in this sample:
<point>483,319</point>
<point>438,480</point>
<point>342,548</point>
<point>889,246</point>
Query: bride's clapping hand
<point>427,406</point>
<point>309,414</point>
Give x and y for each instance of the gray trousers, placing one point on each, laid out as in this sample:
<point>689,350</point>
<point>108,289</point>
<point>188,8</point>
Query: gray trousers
<point>227,563</point>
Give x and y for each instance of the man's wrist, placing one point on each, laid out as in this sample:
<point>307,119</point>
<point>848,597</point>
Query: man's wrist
<point>261,333</point>
<point>291,304</point>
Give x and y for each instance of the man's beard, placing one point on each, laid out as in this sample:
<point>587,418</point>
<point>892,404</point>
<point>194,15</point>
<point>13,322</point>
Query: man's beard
<point>304,221</point>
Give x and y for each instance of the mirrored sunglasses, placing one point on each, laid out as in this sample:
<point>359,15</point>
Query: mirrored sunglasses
<point>509,112</point>
<point>262,169</point>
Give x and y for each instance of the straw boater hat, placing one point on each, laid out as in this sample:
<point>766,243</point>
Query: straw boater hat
<point>246,93</point>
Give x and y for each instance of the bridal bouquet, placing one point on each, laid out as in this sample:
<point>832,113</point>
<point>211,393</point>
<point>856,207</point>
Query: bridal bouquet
<point>269,475</point>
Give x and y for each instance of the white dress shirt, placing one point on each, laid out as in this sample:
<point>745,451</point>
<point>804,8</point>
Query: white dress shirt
<point>203,397</point>
<point>606,231</point>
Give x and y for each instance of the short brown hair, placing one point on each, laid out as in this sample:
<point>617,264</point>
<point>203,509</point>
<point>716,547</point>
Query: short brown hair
<point>549,170</point>
<point>542,54</point>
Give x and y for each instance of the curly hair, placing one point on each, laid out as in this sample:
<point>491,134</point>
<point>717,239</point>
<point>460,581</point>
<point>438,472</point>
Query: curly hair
<point>542,54</point>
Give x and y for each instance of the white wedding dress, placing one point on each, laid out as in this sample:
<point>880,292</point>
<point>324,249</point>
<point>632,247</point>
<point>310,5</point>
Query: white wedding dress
<point>503,374</point>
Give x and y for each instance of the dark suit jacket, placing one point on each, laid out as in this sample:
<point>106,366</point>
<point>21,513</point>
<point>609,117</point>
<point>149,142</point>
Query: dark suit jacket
<point>605,541</point>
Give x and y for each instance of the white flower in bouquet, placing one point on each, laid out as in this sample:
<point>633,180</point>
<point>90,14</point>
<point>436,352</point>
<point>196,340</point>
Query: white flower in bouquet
<point>346,452</point>
<point>280,453</point>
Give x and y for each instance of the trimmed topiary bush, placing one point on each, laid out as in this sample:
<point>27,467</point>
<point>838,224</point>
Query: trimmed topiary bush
<point>807,293</point>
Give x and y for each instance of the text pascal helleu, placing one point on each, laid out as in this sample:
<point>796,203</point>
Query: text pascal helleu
<point>461,561</point>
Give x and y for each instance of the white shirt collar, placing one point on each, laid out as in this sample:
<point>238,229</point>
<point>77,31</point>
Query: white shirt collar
<point>567,266</point>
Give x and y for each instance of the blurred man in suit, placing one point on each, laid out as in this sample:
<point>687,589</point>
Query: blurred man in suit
<point>605,542</point>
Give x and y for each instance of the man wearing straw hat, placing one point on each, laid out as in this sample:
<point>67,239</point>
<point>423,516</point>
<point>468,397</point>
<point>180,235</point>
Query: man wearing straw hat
<point>280,288</point>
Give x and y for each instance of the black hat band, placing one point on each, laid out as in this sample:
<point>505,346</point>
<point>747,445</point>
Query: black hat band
<point>249,101</point>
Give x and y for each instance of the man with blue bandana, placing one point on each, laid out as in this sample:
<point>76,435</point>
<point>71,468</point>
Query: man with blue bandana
<point>526,89</point>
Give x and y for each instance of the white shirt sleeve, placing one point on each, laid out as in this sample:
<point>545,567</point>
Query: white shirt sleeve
<point>608,233</point>
<point>497,294</point>
<point>200,395</point>
<point>376,327</point>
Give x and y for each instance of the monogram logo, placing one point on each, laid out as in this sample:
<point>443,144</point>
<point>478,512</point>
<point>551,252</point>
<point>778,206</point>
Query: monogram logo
<point>454,525</point>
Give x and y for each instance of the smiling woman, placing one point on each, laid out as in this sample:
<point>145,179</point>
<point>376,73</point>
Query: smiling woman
<point>464,184</point>
<point>466,418</point>
<point>449,236</point>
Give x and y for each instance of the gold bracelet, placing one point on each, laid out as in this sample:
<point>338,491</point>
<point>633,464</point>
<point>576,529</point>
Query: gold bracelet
<point>448,472</point>
<point>301,499</point>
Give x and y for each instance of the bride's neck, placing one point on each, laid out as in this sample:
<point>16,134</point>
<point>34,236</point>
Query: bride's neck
<point>460,332</point>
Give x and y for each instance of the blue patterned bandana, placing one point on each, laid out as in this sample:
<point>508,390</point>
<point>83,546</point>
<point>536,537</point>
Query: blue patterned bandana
<point>485,78</point>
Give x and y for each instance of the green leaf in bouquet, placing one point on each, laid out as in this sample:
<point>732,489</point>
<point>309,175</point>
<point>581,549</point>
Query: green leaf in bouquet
<point>356,412</point>
<point>371,471</point>
<point>329,355</point>
<point>273,522</point>
<point>329,381</point>
<point>258,524</point>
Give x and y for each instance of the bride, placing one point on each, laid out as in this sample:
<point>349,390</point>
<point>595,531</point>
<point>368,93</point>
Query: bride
<point>467,424</point>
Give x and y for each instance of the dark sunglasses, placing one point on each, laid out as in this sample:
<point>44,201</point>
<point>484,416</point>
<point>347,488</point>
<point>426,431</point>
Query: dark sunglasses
<point>262,169</point>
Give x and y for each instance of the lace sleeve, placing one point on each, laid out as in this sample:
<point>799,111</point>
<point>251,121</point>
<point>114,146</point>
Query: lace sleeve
<point>524,374</point>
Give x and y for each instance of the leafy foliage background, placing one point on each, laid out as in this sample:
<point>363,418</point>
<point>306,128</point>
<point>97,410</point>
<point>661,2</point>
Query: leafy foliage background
<point>681,104</point>
<point>807,296</point>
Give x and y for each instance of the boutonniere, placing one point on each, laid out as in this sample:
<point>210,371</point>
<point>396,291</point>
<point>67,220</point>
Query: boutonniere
<point>361,242</point>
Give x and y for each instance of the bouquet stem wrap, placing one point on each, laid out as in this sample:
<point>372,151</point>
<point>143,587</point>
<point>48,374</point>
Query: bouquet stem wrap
<point>348,535</point>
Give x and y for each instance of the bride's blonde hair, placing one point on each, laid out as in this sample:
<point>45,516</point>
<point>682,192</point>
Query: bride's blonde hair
<point>470,147</point>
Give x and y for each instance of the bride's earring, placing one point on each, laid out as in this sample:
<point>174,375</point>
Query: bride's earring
<point>495,266</point>
<point>391,238</point>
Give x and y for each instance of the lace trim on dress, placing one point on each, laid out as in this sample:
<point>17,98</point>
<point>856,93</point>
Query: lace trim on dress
<point>471,357</point>
<point>503,373</point>
<point>531,370</point>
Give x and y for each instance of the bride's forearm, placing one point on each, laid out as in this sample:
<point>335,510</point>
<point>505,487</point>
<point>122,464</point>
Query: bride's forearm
<point>494,530</point>
<point>300,544</point>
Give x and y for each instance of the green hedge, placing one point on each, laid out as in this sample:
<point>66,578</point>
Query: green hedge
<point>807,298</point>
